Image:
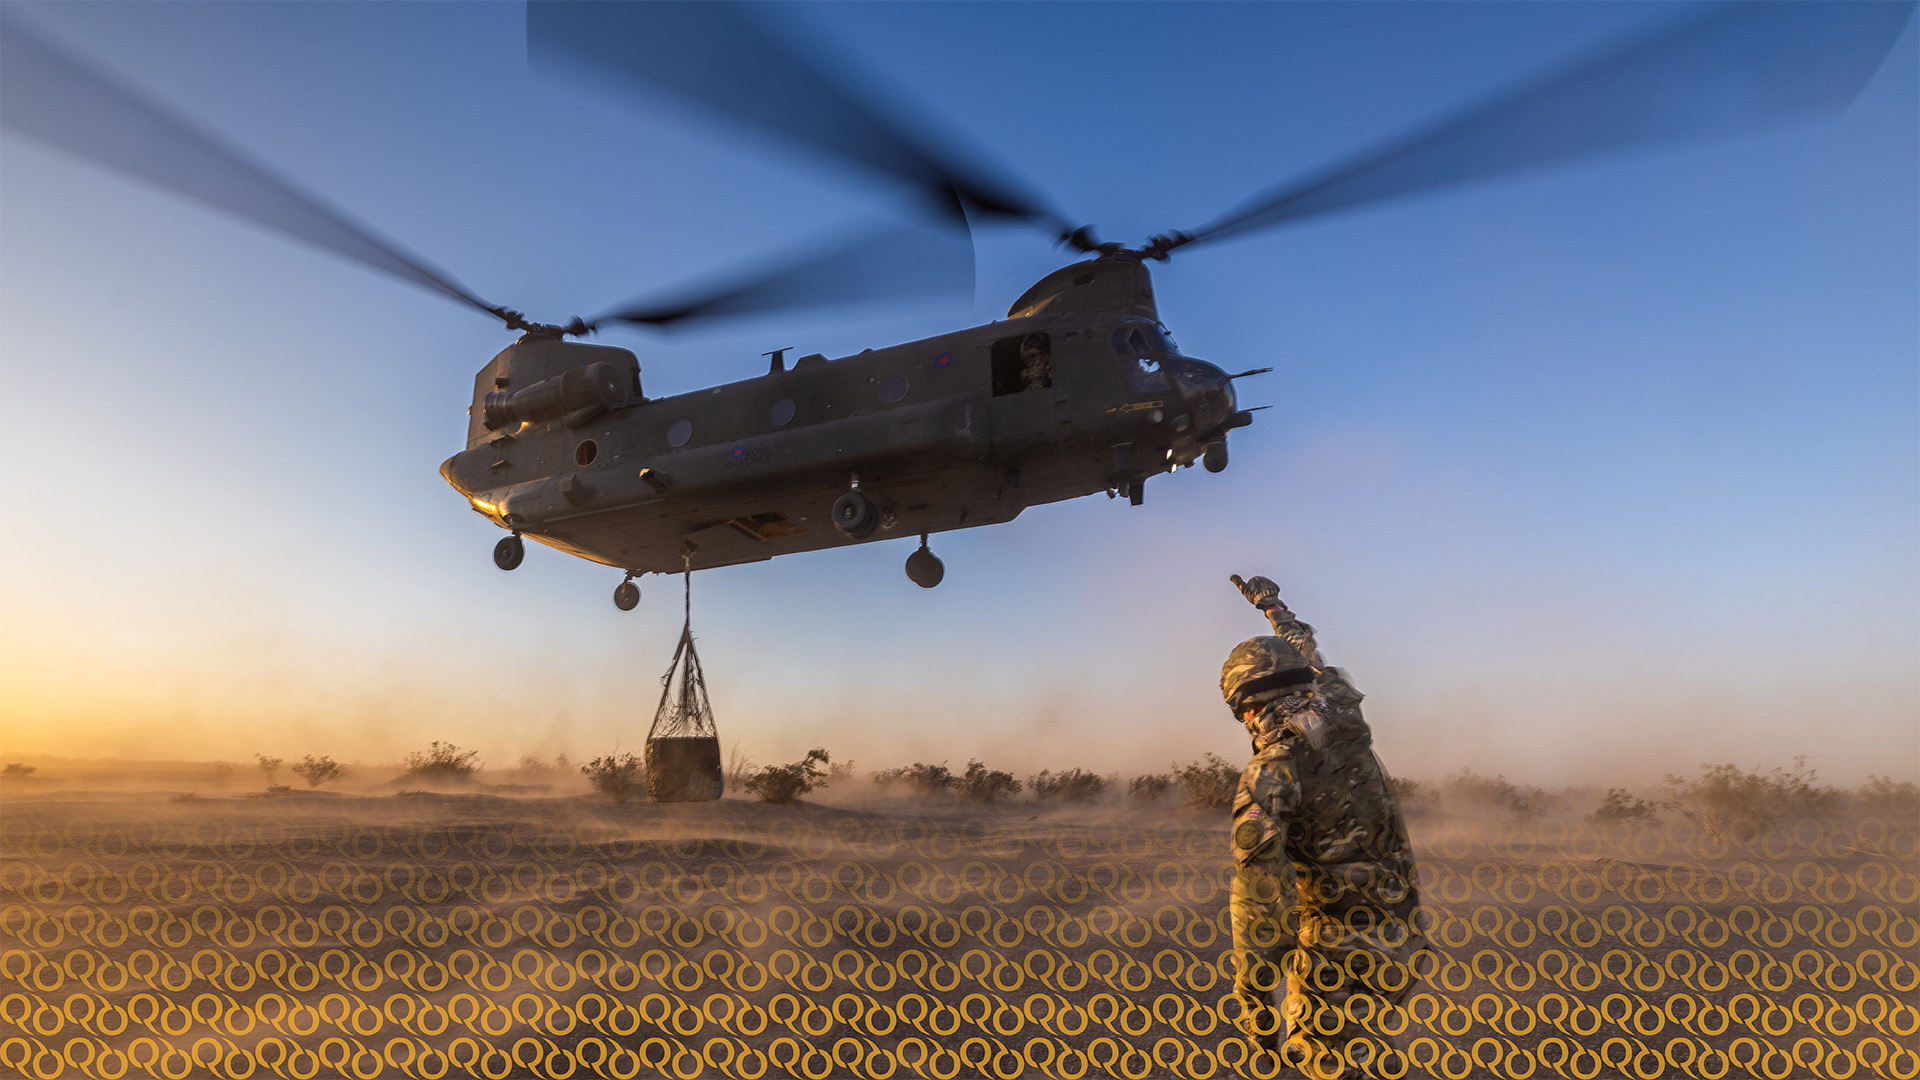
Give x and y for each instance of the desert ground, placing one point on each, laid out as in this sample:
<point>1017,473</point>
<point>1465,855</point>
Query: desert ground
<point>157,933</point>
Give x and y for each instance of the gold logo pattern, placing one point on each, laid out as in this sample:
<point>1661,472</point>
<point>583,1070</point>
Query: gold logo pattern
<point>233,940</point>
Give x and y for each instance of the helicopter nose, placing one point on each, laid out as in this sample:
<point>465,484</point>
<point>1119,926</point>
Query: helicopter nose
<point>1208,391</point>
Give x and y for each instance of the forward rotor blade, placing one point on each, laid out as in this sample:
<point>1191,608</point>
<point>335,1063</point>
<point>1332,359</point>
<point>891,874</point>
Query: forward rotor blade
<point>56,99</point>
<point>718,56</point>
<point>1735,69</point>
<point>890,264</point>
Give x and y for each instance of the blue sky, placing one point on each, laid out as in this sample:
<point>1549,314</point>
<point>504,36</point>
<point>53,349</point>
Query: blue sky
<point>1587,475</point>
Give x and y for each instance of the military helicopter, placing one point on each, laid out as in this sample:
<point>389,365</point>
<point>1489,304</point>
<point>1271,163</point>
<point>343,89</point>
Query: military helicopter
<point>1079,390</point>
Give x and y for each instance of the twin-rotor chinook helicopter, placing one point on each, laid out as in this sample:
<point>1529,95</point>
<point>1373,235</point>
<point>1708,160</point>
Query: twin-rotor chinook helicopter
<point>1079,390</point>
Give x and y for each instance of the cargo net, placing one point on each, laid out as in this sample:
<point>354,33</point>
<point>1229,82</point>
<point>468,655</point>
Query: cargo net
<point>683,746</point>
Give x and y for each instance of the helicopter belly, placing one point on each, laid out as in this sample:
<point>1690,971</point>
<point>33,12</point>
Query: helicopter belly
<point>754,526</point>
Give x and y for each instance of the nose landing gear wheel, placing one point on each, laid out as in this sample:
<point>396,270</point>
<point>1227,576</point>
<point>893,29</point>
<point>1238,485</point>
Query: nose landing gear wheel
<point>508,552</point>
<point>627,596</point>
<point>855,515</point>
<point>924,568</point>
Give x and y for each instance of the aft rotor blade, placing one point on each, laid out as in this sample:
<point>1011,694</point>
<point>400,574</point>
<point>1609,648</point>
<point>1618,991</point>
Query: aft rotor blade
<point>891,264</point>
<point>720,57</point>
<point>58,100</point>
<point>1735,69</point>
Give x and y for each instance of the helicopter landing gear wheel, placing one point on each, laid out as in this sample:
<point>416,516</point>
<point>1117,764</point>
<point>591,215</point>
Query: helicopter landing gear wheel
<point>924,568</point>
<point>855,515</point>
<point>508,552</point>
<point>627,596</point>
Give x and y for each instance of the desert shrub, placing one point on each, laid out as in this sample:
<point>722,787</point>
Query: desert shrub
<point>1072,785</point>
<point>617,776</point>
<point>443,761</point>
<point>1150,788</point>
<point>1409,793</point>
<point>1209,783</point>
<point>839,772</point>
<point>919,778</point>
<point>1881,795</point>
<point>15,768</point>
<point>1621,805</point>
<point>1468,790</point>
<point>785,783</point>
<point>538,768</point>
<point>740,768</point>
<point>981,784</point>
<point>318,770</point>
<point>1727,801</point>
<point>269,766</point>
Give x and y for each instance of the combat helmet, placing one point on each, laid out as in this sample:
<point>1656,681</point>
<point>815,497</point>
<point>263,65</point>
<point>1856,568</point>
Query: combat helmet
<point>1260,664</point>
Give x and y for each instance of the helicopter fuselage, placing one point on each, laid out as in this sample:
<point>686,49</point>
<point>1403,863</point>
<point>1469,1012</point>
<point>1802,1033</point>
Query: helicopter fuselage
<point>1069,396</point>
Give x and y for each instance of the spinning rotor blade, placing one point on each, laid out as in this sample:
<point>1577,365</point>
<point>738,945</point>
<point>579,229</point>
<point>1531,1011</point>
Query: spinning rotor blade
<point>1735,69</point>
<point>58,100</point>
<point>717,56</point>
<point>895,263</point>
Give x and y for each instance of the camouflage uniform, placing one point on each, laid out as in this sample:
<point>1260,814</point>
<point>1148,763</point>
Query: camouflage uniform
<point>1324,888</point>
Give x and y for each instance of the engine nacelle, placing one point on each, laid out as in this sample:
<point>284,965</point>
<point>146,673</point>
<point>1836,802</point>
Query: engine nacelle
<point>539,378</point>
<point>576,393</point>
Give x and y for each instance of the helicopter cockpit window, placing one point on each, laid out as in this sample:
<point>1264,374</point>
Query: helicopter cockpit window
<point>1022,362</point>
<point>1141,349</point>
<point>1142,339</point>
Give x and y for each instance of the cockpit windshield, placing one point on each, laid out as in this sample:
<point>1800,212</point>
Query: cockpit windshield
<point>1142,347</point>
<point>1137,337</point>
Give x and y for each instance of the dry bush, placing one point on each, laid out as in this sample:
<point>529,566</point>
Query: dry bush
<point>536,768</point>
<point>269,766</point>
<point>1150,788</point>
<point>15,768</point>
<point>1412,795</point>
<point>1621,805</point>
<point>1468,790</point>
<point>918,778</point>
<point>1884,797</point>
<point>1209,783</point>
<point>1730,802</point>
<point>740,768</point>
<point>981,784</point>
<point>840,772</point>
<point>1071,785</point>
<point>318,770</point>
<point>617,776</point>
<point>785,783</point>
<point>443,762</point>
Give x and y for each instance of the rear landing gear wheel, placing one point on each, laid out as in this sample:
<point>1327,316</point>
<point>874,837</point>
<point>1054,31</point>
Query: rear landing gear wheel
<point>627,596</point>
<point>508,552</point>
<point>924,568</point>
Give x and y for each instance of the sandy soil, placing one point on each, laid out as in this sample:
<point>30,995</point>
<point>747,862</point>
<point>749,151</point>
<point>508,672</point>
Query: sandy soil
<point>429,935</point>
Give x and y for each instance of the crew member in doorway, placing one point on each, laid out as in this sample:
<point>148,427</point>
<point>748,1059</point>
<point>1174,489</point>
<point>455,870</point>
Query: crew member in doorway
<point>1036,362</point>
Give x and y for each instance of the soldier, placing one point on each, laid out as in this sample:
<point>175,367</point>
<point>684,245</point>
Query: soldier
<point>1036,362</point>
<point>1324,889</point>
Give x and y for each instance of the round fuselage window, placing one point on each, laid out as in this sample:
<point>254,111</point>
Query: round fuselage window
<point>585,453</point>
<point>679,433</point>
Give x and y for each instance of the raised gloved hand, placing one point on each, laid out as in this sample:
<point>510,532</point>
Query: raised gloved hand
<point>1260,592</point>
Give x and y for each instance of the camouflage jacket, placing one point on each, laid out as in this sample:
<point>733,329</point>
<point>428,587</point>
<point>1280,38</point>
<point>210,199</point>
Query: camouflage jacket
<point>1332,700</point>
